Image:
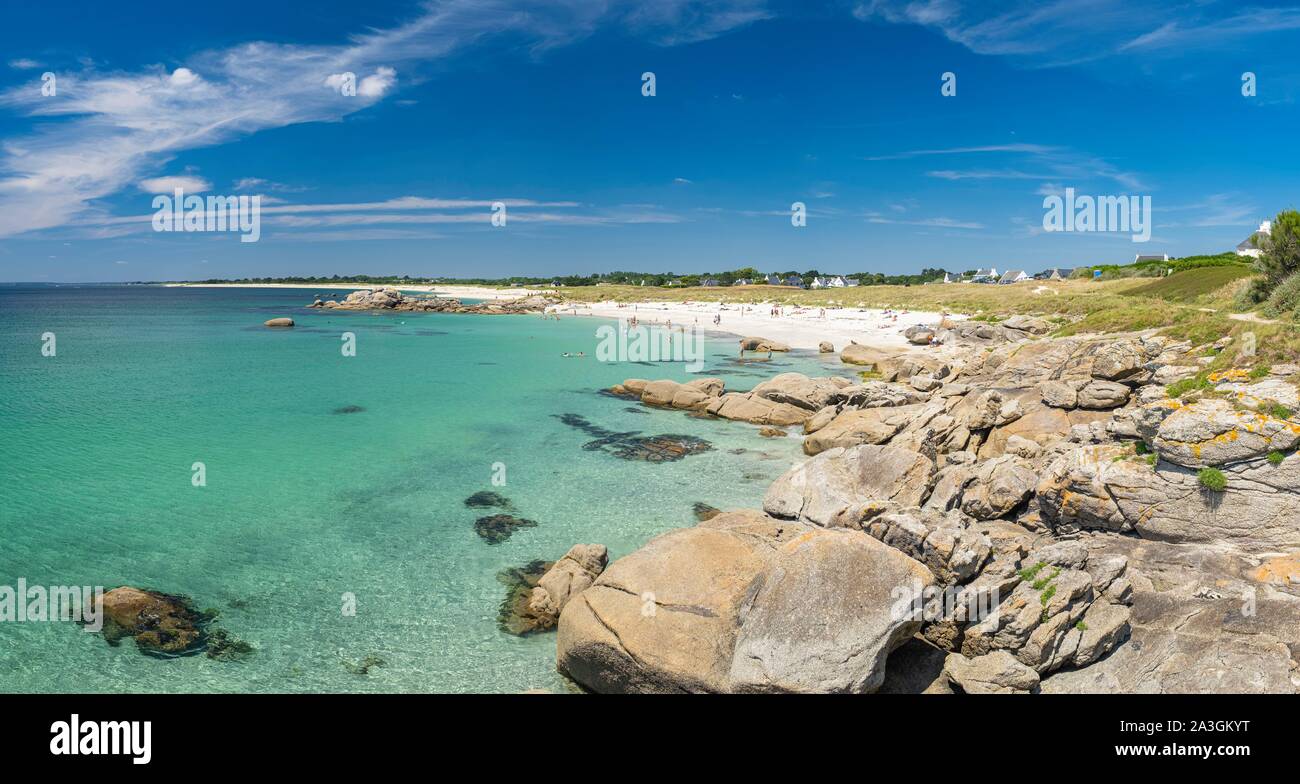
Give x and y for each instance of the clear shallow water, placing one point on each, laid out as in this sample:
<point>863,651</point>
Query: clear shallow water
<point>303,504</point>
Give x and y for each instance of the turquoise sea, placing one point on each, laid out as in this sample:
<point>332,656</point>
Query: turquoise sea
<point>303,504</point>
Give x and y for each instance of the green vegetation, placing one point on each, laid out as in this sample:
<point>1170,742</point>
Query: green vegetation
<point>1259,371</point>
<point>1275,458</point>
<point>1158,268</point>
<point>1278,286</point>
<point>1212,479</point>
<point>1029,572</point>
<point>1141,448</point>
<point>1197,383</point>
<point>1081,626</point>
<point>1043,582</point>
<point>1279,411</point>
<point>1192,287</point>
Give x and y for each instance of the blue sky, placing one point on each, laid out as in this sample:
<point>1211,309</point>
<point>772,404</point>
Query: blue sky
<point>759,104</point>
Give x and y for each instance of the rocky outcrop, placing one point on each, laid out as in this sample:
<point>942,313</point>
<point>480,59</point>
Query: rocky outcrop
<point>742,602</point>
<point>388,298</point>
<point>864,426</point>
<point>748,407</point>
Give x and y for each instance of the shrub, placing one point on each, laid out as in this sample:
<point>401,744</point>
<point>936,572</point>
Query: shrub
<point>1279,411</point>
<point>1275,457</point>
<point>1142,448</point>
<point>1212,479</point>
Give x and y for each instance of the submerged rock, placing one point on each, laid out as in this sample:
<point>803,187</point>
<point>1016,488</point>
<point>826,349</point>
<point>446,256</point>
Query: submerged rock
<point>364,666</point>
<point>631,445</point>
<point>704,512</point>
<point>224,646</point>
<point>349,410</point>
<point>484,499</point>
<point>162,625</point>
<point>497,528</point>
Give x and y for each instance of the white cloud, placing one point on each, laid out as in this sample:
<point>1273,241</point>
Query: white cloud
<point>378,83</point>
<point>23,64</point>
<point>110,130</point>
<point>187,183</point>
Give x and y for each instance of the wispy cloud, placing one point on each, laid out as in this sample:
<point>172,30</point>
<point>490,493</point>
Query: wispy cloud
<point>935,222</point>
<point>105,131</point>
<point>1031,162</point>
<point>1065,32</point>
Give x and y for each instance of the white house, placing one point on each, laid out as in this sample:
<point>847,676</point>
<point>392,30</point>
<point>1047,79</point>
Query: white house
<point>989,275</point>
<point>840,282</point>
<point>1013,276</point>
<point>1248,247</point>
<point>742,282</point>
<point>774,280</point>
<point>819,283</point>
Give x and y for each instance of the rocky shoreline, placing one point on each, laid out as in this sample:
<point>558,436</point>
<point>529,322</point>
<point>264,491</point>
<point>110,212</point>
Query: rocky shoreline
<point>388,298</point>
<point>1000,512</point>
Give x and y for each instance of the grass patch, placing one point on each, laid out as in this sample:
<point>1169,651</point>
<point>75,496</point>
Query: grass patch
<point>1275,458</point>
<point>1197,383</point>
<point>1192,285</point>
<point>1030,572</point>
<point>1212,479</point>
<point>1279,411</point>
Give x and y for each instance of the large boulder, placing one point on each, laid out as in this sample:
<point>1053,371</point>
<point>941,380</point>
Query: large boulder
<point>742,602</point>
<point>1031,324</point>
<point>993,673</point>
<point>1119,360</point>
<point>796,389</point>
<point>748,407</point>
<point>997,487</point>
<point>826,616</point>
<point>1103,394</point>
<point>279,322</point>
<point>864,426</point>
<point>832,487</point>
<point>1212,432</point>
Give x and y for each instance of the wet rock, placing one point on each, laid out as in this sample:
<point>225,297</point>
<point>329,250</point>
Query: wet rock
<point>772,432</point>
<point>279,322</point>
<point>762,344</point>
<point>516,615</point>
<point>703,511</point>
<point>825,347</point>
<point>162,625</point>
<point>495,529</point>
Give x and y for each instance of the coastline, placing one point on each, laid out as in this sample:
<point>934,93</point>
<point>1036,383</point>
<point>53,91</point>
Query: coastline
<point>799,327</point>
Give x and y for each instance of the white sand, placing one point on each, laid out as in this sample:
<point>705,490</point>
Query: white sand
<point>798,327</point>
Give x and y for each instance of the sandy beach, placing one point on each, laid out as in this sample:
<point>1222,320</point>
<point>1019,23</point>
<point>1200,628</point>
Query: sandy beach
<point>800,328</point>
